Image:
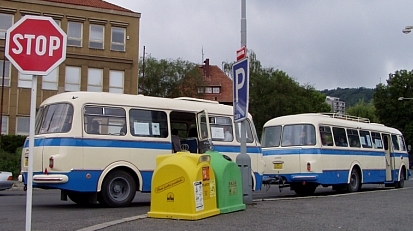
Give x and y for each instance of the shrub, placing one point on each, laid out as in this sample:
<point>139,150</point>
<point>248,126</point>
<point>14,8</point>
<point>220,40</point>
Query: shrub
<point>10,162</point>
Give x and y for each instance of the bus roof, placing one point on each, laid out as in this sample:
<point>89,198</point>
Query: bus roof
<point>327,119</point>
<point>106,98</point>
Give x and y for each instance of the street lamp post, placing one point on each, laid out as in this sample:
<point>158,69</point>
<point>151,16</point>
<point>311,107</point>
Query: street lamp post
<point>407,29</point>
<point>403,98</point>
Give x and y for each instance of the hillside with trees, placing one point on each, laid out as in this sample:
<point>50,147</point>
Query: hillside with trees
<point>351,95</point>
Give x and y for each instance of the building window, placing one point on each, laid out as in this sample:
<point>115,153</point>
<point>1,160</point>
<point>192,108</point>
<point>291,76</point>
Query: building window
<point>96,36</point>
<point>72,78</point>
<point>74,34</point>
<point>200,89</point>
<point>6,21</point>
<point>118,39</point>
<point>25,81</point>
<point>208,89</point>
<point>4,125</point>
<point>116,81</point>
<point>94,80</point>
<point>23,126</point>
<point>6,73</point>
<point>216,90</point>
<point>50,81</point>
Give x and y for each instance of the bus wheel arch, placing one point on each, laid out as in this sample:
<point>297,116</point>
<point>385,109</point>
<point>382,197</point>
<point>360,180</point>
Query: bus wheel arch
<point>125,166</point>
<point>354,179</point>
<point>402,177</point>
<point>118,188</point>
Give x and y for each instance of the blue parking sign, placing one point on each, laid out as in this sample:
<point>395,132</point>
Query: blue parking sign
<point>240,87</point>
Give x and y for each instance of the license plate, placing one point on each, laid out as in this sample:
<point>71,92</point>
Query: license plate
<point>278,166</point>
<point>26,162</point>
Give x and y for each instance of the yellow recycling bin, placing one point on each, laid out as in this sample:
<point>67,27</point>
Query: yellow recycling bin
<point>183,187</point>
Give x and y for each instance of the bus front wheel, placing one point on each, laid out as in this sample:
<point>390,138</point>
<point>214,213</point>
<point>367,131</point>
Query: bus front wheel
<point>118,189</point>
<point>400,184</point>
<point>355,181</point>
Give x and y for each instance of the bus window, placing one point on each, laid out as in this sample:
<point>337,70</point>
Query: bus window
<point>104,120</point>
<point>395,142</point>
<point>148,123</point>
<point>377,143</point>
<point>221,129</point>
<point>271,136</point>
<point>353,138</point>
<point>250,137</point>
<point>326,136</point>
<point>298,135</point>
<point>55,118</point>
<point>365,139</point>
<point>402,144</point>
<point>340,137</point>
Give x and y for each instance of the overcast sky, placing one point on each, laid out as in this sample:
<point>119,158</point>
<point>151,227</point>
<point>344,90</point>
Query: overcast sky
<point>324,43</point>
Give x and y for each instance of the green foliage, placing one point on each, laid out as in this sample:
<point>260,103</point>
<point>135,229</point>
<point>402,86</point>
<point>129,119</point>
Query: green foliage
<point>10,162</point>
<point>351,95</point>
<point>10,143</point>
<point>273,93</point>
<point>391,111</point>
<point>363,109</point>
<point>169,78</point>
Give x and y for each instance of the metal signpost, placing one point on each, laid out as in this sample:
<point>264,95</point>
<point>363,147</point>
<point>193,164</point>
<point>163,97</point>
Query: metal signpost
<point>35,45</point>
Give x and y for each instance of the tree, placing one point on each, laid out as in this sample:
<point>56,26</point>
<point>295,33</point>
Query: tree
<point>273,93</point>
<point>362,109</point>
<point>391,111</point>
<point>169,78</point>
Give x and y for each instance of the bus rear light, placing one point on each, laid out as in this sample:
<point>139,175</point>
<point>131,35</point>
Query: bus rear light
<point>51,162</point>
<point>45,171</point>
<point>308,166</point>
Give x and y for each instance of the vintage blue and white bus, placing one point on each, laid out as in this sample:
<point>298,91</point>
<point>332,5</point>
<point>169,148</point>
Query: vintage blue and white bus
<point>307,150</point>
<point>102,147</point>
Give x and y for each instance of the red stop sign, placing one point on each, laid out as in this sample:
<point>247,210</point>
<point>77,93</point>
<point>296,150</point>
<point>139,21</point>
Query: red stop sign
<point>36,45</point>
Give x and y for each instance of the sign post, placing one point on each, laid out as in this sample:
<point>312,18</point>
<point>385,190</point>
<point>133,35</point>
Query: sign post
<point>35,45</point>
<point>240,73</point>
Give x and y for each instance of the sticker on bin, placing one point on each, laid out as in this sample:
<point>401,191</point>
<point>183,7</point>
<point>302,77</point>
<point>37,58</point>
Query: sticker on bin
<point>205,173</point>
<point>170,184</point>
<point>199,196</point>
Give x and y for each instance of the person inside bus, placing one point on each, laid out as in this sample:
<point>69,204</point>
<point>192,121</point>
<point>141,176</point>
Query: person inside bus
<point>176,141</point>
<point>227,134</point>
<point>342,142</point>
<point>94,127</point>
<point>326,140</point>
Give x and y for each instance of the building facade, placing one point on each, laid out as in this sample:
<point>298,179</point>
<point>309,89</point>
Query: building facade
<point>217,85</point>
<point>102,54</point>
<point>336,105</point>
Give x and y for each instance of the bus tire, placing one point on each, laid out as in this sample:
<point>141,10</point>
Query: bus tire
<point>355,182</point>
<point>118,189</point>
<point>400,184</point>
<point>79,198</point>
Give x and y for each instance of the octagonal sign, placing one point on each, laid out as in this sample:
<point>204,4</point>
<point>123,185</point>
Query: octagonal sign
<point>36,45</point>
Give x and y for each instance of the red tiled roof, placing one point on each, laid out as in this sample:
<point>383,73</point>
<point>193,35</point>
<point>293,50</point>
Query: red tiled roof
<point>92,3</point>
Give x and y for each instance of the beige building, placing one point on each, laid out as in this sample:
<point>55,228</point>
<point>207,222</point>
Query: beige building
<point>102,54</point>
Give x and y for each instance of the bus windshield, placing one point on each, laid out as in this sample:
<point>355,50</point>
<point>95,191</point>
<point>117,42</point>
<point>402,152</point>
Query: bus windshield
<point>54,118</point>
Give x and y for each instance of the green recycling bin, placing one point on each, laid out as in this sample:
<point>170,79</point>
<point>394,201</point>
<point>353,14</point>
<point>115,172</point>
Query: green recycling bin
<point>228,183</point>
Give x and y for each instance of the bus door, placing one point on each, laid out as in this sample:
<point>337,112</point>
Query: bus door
<point>204,134</point>
<point>388,159</point>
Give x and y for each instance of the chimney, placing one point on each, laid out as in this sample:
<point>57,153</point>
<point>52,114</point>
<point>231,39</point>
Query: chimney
<point>206,68</point>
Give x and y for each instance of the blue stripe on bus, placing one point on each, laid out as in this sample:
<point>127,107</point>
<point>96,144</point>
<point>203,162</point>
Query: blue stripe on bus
<point>305,151</point>
<point>81,142</point>
<point>221,148</point>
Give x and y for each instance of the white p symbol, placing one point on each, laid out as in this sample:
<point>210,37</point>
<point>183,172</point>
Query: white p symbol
<point>239,73</point>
